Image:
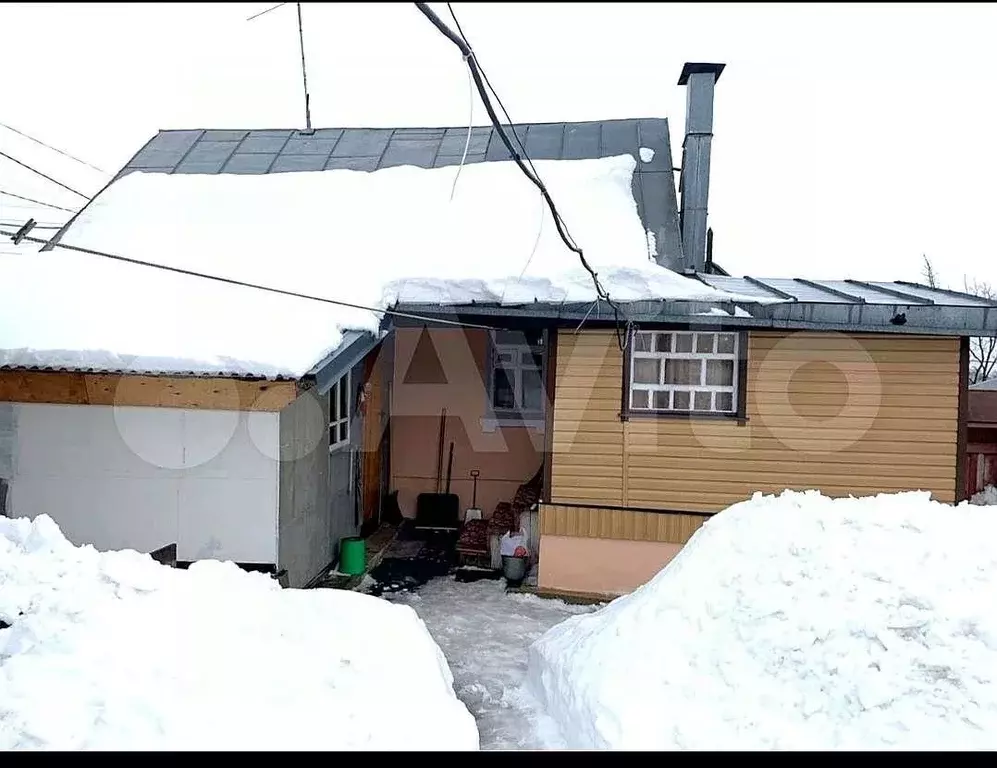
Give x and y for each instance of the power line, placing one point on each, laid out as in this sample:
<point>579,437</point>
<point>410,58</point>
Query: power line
<point>264,13</point>
<point>54,149</point>
<point>36,202</point>
<point>530,172</point>
<point>244,284</point>
<point>44,175</point>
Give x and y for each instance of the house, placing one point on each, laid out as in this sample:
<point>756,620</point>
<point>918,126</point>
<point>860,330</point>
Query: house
<point>981,441</point>
<point>641,417</point>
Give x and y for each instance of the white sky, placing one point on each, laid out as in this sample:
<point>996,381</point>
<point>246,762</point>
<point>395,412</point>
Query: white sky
<point>849,139</point>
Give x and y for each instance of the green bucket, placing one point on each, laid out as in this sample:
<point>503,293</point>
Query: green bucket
<point>352,556</point>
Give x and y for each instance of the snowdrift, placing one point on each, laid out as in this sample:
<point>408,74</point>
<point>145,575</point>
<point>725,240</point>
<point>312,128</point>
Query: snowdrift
<point>794,622</point>
<point>110,650</point>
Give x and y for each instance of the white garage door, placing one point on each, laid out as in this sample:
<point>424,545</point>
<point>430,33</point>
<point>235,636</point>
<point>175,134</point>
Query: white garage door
<point>142,478</point>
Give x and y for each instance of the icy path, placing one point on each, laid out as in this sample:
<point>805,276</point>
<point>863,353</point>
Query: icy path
<point>484,634</point>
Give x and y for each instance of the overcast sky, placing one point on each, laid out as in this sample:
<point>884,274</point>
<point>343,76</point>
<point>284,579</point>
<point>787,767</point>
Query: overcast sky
<point>849,139</point>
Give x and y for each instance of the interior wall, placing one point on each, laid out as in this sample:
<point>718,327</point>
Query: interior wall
<point>142,478</point>
<point>449,372</point>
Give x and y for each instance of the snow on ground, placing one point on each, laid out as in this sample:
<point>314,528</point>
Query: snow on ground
<point>986,497</point>
<point>484,633</point>
<point>110,650</point>
<point>371,239</point>
<point>794,622</point>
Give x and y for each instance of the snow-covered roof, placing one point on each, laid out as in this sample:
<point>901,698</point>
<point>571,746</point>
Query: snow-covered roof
<point>989,384</point>
<point>400,233</point>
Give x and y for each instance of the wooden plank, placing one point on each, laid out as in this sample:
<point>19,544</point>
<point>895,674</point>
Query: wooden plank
<point>71,388</point>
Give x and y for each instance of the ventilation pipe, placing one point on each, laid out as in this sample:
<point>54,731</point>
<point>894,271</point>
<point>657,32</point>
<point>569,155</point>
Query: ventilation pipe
<point>694,182</point>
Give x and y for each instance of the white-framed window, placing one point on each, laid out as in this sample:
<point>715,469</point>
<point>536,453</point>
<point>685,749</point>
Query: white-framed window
<point>516,378</point>
<point>683,372</point>
<point>339,412</point>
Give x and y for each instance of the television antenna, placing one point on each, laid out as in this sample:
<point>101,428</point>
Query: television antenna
<point>304,73</point>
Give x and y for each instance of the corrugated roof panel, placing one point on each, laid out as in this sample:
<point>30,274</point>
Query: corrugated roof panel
<point>944,298</point>
<point>418,152</point>
<point>653,134</point>
<point>802,291</point>
<point>619,137</point>
<point>209,151</point>
<point>870,294</point>
<point>455,139</point>
<point>545,142</point>
<point>738,285</point>
<point>287,163</point>
<point>249,163</point>
<point>309,146</point>
<point>582,141</point>
<point>363,142</point>
<point>352,163</point>
<point>224,135</point>
<point>263,144</point>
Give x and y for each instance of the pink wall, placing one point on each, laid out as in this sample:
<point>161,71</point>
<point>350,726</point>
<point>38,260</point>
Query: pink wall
<point>600,566</point>
<point>449,374</point>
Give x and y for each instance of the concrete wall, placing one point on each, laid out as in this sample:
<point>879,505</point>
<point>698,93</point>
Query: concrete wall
<point>142,478</point>
<point>600,566</point>
<point>505,456</point>
<point>317,495</point>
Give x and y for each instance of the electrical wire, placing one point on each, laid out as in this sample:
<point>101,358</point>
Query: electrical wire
<point>562,230</point>
<point>36,202</point>
<point>470,123</point>
<point>54,149</point>
<point>263,13</point>
<point>44,175</point>
<point>244,284</point>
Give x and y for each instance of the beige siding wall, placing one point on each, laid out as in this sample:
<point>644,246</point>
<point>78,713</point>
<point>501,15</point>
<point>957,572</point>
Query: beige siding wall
<point>847,414</point>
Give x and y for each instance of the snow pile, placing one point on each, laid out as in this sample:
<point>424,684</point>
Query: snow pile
<point>371,239</point>
<point>986,497</point>
<point>794,622</point>
<point>110,650</point>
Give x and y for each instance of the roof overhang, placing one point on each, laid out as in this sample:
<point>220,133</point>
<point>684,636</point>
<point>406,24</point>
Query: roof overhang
<point>354,347</point>
<point>900,318</point>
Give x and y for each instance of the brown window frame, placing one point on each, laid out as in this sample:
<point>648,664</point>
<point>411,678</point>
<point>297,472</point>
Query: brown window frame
<point>739,415</point>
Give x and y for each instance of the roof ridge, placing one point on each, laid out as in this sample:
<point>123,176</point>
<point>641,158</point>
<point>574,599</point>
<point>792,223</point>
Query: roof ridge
<point>413,127</point>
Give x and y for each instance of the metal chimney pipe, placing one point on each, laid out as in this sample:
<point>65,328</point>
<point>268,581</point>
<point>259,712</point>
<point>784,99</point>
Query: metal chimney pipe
<point>694,183</point>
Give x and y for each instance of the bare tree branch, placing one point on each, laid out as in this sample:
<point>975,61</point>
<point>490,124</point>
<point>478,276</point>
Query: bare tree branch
<point>982,350</point>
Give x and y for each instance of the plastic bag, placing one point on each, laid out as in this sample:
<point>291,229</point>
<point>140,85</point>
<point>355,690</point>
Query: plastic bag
<point>512,543</point>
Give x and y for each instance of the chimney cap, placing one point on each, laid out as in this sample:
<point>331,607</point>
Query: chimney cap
<point>690,68</point>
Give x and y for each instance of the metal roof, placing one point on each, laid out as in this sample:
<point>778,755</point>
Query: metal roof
<point>844,291</point>
<point>784,303</point>
<point>370,149</point>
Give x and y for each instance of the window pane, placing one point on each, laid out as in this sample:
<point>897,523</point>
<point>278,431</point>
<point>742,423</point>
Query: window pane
<point>642,342</point>
<point>683,342</point>
<point>702,401</point>
<point>704,342</point>
<point>681,401</point>
<point>646,371</point>
<point>720,373</point>
<point>661,401</point>
<point>683,371</point>
<point>506,357</point>
<point>725,401</point>
<point>334,402</point>
<point>662,342</point>
<point>344,430</point>
<point>638,398</point>
<point>343,399</point>
<point>725,343</point>
<point>333,434</point>
<point>502,393</point>
<point>532,390</point>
